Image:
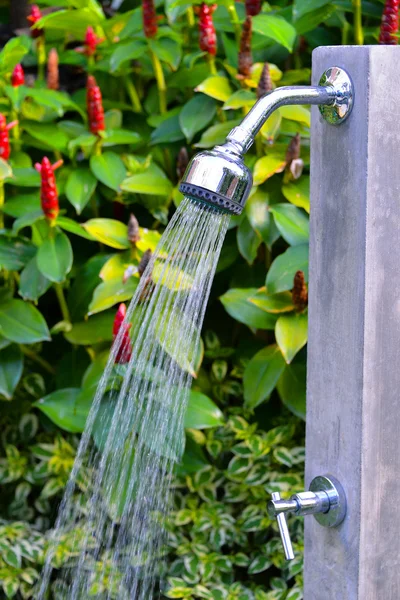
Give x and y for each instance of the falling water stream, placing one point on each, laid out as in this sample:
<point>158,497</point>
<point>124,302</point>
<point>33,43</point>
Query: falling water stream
<point>117,498</point>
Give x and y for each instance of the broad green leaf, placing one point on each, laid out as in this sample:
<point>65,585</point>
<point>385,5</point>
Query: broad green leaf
<point>302,7</point>
<point>292,223</point>
<point>33,283</point>
<point>202,413</point>
<point>240,99</point>
<point>22,323</point>
<point>267,166</point>
<point>50,135</point>
<point>237,305</point>
<point>86,280</point>
<point>168,50</point>
<point>168,331</point>
<point>27,220</point>
<point>109,169</point>
<point>22,204</point>
<point>72,20</point>
<point>11,367</point>
<point>261,375</point>
<point>109,231</point>
<point>296,113</point>
<point>127,51</point>
<point>113,137</point>
<point>276,303</point>
<point>151,181</point>
<point>12,53</point>
<point>65,410</point>
<point>283,269</point>
<point>259,564</point>
<point>93,331</point>
<point>248,240</point>
<point>291,334</point>
<point>216,87</point>
<point>79,188</point>
<point>275,28</point>
<point>25,177</point>
<point>55,258</point>
<point>111,292</point>
<point>5,170</point>
<point>15,253</point>
<point>171,276</point>
<point>196,115</point>
<point>257,212</point>
<point>73,227</point>
<point>169,130</point>
<point>216,134</point>
<point>271,127</point>
<point>292,388</point>
<point>311,20</point>
<point>298,192</point>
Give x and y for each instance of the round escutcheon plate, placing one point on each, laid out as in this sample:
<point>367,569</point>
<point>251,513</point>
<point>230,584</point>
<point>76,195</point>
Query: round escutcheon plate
<point>337,499</point>
<point>337,112</point>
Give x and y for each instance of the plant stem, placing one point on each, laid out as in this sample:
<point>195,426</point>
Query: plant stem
<point>16,132</point>
<point>38,359</point>
<point>345,33</point>
<point>41,58</point>
<point>133,95</point>
<point>159,75</point>
<point>235,21</point>
<point>211,64</point>
<point>358,29</point>
<point>62,302</point>
<point>1,205</point>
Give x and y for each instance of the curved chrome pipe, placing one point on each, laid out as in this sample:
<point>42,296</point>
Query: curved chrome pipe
<point>220,178</point>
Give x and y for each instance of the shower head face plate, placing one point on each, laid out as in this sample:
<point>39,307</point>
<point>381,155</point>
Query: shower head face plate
<point>218,178</point>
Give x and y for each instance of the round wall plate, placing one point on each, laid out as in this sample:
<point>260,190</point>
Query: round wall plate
<point>337,112</point>
<point>337,500</point>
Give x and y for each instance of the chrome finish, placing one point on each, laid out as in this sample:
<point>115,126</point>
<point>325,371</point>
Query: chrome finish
<point>283,528</point>
<point>325,500</point>
<point>220,178</point>
<point>337,112</point>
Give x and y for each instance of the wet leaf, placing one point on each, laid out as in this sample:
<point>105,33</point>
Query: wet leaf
<point>108,231</point>
<point>111,292</point>
<point>202,413</point>
<point>96,329</point>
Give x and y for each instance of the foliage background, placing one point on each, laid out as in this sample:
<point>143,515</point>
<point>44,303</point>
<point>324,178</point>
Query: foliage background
<point>59,295</point>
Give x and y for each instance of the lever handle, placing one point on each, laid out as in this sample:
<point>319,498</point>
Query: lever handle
<point>283,529</point>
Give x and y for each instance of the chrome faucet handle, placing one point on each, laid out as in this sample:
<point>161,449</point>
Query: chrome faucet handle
<point>325,500</point>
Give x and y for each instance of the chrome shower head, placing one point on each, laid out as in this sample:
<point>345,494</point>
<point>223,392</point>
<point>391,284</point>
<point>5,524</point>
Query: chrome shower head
<point>219,177</point>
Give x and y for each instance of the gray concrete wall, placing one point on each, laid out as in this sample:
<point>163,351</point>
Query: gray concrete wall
<point>353,403</point>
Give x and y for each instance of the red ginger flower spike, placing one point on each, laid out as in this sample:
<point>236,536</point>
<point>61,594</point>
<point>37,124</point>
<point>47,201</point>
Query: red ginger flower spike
<point>18,76</point>
<point>124,352</point>
<point>253,7</point>
<point>94,103</point>
<point>4,139</point>
<point>53,76</point>
<point>35,16</point>
<point>150,25</point>
<point>48,190</point>
<point>245,61</point>
<point>208,36</point>
<point>91,42</point>
<point>390,23</point>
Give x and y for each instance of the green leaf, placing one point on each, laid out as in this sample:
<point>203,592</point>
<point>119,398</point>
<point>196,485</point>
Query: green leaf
<point>216,87</point>
<point>111,292</point>
<point>311,20</point>
<point>22,204</point>
<point>151,181</point>
<point>169,130</point>
<point>27,220</point>
<point>298,192</point>
<point>261,375</point>
<point>86,280</point>
<point>168,331</point>
<point>259,564</point>
<point>33,283</point>
<point>275,28</point>
<point>50,135</point>
<point>302,7</point>
<point>109,231</point>
<point>93,331</point>
<point>5,170</point>
<point>72,20</point>
<point>196,115</point>
<point>248,240</point>
<point>292,223</point>
<point>15,253</point>
<point>113,137</point>
<point>236,303</point>
<point>55,258</point>
<point>257,212</point>
<point>216,134</point>
<point>25,177</point>
<point>127,52</point>
<point>240,99</point>
<point>276,303</point>
<point>73,227</point>
<point>291,334</point>
<point>12,53</point>
<point>65,410</point>
<point>79,188</point>
<point>296,113</point>
<point>202,413</point>
<point>11,367</point>
<point>292,388</point>
<point>267,166</point>
<point>109,169</point>
<point>22,323</point>
<point>168,50</point>
<point>283,269</point>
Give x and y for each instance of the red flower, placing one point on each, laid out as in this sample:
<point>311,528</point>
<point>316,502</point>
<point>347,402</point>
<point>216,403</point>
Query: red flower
<point>125,348</point>
<point>4,140</point>
<point>390,23</point>
<point>35,16</point>
<point>48,190</point>
<point>208,36</point>
<point>91,42</point>
<point>18,76</point>
<point>150,25</point>
<point>94,103</point>
<point>253,7</point>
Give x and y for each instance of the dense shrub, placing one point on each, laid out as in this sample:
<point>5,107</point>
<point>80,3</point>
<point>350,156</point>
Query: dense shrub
<point>100,112</point>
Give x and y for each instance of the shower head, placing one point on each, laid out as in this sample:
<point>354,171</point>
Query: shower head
<point>219,177</point>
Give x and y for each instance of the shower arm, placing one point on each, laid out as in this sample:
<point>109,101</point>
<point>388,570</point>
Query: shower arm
<point>244,134</point>
<point>220,178</point>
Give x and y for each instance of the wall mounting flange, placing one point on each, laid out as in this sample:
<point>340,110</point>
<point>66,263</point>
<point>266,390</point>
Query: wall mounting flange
<point>337,112</point>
